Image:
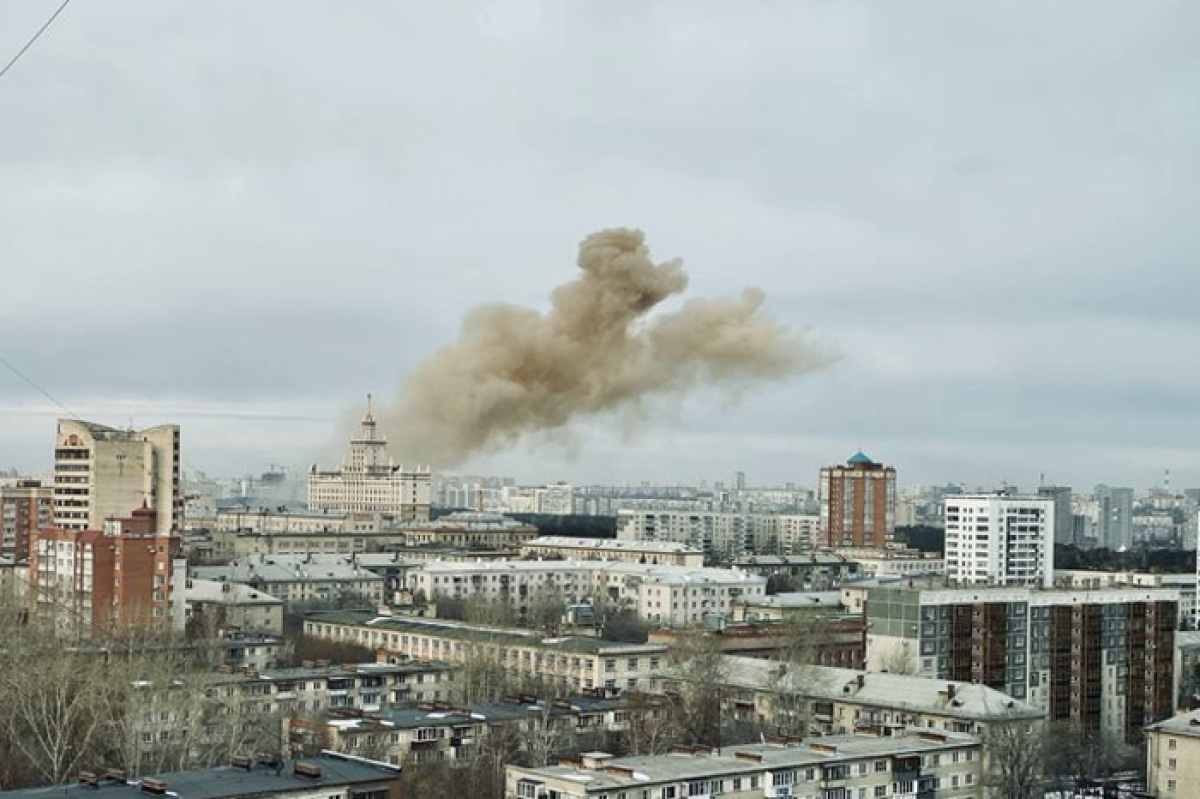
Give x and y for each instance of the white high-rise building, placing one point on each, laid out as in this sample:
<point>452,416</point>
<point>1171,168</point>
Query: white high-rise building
<point>103,473</point>
<point>998,539</point>
<point>370,482</point>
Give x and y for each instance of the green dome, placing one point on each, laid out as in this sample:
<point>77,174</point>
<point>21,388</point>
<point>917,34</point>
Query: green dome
<point>860,459</point>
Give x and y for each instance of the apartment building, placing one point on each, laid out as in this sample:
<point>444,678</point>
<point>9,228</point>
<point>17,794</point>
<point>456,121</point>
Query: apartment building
<point>894,562</point>
<point>101,473</point>
<point>301,579</point>
<point>668,595</point>
<point>437,732</point>
<point>471,530</point>
<point>667,553</point>
<point>103,583</point>
<point>814,571</point>
<point>721,536</point>
<point>212,607</point>
<point>999,539</point>
<point>1184,584</point>
<point>25,507</point>
<point>238,532</point>
<point>858,503</point>
<point>369,481</point>
<point>328,775</point>
<point>822,700</point>
<point>908,763</point>
<point>1173,757</point>
<point>1099,660</point>
<point>576,663</point>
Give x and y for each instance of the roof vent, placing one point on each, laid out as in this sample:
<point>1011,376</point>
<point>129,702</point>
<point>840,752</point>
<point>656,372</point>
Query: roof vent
<point>303,769</point>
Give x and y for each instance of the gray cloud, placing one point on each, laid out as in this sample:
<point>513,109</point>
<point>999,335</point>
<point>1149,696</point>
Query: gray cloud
<point>989,207</point>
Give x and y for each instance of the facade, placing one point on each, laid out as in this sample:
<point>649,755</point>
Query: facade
<point>301,579</point>
<point>25,508</point>
<point>1064,514</point>
<point>471,529</point>
<point>441,732</point>
<point>1173,757</point>
<point>575,663</point>
<point>816,571</point>
<point>1185,584</point>
<point>858,503</point>
<point>891,562</point>
<point>652,552</point>
<point>104,583</point>
<point>1099,660</point>
<point>674,596</point>
<point>1114,517</point>
<point>216,608</point>
<point>908,763</point>
<point>819,700</point>
<point>370,482</point>
<point>830,638</point>
<point>999,539</point>
<point>721,536</point>
<point>101,473</point>
<point>238,532</point>
<point>328,775</point>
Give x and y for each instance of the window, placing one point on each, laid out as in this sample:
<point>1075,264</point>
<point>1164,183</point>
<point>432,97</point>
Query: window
<point>1171,764</point>
<point>527,789</point>
<point>1170,743</point>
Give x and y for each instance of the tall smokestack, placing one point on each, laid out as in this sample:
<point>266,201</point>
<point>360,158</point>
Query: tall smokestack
<point>515,371</point>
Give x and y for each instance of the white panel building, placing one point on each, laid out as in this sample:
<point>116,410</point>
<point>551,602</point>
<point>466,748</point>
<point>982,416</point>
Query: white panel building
<point>999,539</point>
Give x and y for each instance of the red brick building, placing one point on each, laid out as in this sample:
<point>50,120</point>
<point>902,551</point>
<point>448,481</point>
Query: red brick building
<point>105,583</point>
<point>25,508</point>
<point>858,503</point>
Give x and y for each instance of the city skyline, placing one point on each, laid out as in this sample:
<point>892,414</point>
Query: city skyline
<point>992,223</point>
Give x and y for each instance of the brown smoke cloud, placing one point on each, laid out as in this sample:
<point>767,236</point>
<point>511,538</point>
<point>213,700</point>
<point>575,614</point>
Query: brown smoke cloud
<point>515,371</point>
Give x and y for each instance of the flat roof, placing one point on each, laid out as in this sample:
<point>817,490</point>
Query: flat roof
<point>226,782</point>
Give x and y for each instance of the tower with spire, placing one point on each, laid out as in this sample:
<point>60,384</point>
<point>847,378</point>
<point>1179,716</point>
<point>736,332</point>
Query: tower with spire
<point>369,481</point>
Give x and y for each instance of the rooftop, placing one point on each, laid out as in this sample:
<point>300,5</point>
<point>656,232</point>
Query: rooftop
<point>228,781</point>
<point>200,590</point>
<point>880,689</point>
<point>618,774</point>
<point>286,569</point>
<point>476,632</point>
<point>1185,724</point>
<point>614,545</point>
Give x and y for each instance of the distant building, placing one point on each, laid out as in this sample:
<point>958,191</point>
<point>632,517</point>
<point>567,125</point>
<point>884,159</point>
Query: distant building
<point>1064,517</point>
<point>101,473</point>
<point>1114,517</point>
<point>858,503</point>
<point>302,579</point>
<point>652,552</point>
<point>469,529</point>
<point>216,608</point>
<point>722,536</point>
<point>25,508</point>
<point>576,663</point>
<point>370,481</point>
<point>104,583</point>
<point>999,539</point>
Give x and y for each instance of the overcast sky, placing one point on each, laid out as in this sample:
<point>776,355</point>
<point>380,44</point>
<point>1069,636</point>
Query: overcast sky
<point>244,217</point>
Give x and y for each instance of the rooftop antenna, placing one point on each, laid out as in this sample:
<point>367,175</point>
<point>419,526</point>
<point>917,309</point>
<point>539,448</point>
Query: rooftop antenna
<point>1042,480</point>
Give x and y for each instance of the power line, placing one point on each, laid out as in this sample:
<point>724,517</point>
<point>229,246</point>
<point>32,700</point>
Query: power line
<point>36,36</point>
<point>35,386</point>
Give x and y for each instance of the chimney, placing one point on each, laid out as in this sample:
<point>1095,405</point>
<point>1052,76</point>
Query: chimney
<point>151,785</point>
<point>306,769</point>
<point>950,689</point>
<point>861,680</point>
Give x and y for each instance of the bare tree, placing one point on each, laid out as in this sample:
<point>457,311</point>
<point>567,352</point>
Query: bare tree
<point>700,670</point>
<point>652,729</point>
<point>1015,758</point>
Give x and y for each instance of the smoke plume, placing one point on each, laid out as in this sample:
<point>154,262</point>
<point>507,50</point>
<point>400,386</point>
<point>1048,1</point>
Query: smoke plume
<point>515,371</point>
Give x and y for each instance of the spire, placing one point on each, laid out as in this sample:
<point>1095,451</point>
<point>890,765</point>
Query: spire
<point>370,419</point>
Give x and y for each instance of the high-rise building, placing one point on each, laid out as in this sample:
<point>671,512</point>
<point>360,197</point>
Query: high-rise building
<point>999,539</point>
<point>1064,515</point>
<point>101,473</point>
<point>105,583</point>
<point>739,481</point>
<point>1101,661</point>
<point>858,503</point>
<point>370,481</point>
<point>1114,517</point>
<point>25,508</point>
